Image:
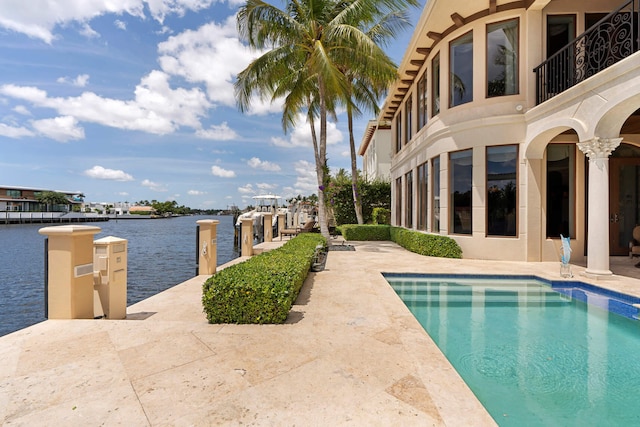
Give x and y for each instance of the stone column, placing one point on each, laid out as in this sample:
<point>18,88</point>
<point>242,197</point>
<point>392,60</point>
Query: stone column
<point>598,151</point>
<point>282,218</point>
<point>247,237</point>
<point>110,277</point>
<point>267,227</point>
<point>70,272</point>
<point>208,250</point>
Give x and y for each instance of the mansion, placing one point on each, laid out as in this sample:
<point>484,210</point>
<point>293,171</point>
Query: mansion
<point>513,123</point>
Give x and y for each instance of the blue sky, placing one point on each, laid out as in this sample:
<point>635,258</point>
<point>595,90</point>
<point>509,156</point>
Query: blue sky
<point>128,100</point>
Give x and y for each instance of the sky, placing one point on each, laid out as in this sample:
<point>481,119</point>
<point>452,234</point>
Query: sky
<point>130,100</point>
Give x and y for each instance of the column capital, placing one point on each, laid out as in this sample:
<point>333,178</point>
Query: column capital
<point>599,149</point>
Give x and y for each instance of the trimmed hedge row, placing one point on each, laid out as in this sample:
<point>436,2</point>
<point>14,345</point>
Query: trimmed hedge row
<point>414,241</point>
<point>263,288</point>
<point>365,232</point>
<point>426,244</point>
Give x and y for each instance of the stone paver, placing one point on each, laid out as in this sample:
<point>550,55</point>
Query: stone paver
<point>349,354</point>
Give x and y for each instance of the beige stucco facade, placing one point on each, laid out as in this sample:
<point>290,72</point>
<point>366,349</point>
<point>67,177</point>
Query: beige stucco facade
<point>596,111</point>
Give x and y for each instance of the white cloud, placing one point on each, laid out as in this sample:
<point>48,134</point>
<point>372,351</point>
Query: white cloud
<point>213,55</point>
<point>306,181</point>
<point>247,189</point>
<point>153,186</point>
<point>122,193</point>
<point>14,132</point>
<point>120,24</point>
<point>266,186</point>
<point>88,32</point>
<point>80,81</point>
<point>218,133</point>
<point>39,18</point>
<point>99,172</point>
<point>256,163</point>
<point>21,109</point>
<point>196,192</point>
<point>301,134</point>
<point>222,173</point>
<point>157,108</point>
<point>63,129</point>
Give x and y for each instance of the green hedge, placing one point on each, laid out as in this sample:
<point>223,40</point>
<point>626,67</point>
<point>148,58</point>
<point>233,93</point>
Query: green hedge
<point>365,232</point>
<point>263,288</point>
<point>381,216</point>
<point>426,244</point>
<point>414,241</point>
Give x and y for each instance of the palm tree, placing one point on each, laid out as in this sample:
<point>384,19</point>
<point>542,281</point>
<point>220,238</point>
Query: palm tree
<point>366,89</point>
<point>51,199</point>
<point>311,43</point>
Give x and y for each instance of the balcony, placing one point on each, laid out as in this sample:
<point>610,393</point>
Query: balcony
<point>610,40</point>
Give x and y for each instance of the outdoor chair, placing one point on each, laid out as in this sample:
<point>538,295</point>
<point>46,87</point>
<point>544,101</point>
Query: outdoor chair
<point>292,232</point>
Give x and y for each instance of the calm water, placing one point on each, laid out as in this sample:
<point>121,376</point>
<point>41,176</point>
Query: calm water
<point>532,356</point>
<point>162,253</point>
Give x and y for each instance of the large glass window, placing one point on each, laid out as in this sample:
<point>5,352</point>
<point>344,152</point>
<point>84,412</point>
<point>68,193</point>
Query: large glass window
<point>435,81</point>
<point>461,168</point>
<point>435,195</point>
<point>502,58</point>
<point>502,187</point>
<point>422,101</point>
<point>14,193</point>
<point>408,221</point>
<point>561,167</point>
<point>422,197</point>
<point>408,117</point>
<point>398,201</point>
<point>461,67</point>
<point>398,132</point>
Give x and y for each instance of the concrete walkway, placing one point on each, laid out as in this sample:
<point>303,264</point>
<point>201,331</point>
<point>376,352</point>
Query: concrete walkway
<point>349,354</point>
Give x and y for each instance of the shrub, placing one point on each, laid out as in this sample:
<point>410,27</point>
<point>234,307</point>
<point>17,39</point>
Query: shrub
<point>381,216</point>
<point>263,288</point>
<point>365,232</point>
<point>426,244</point>
<point>339,197</point>
<point>414,241</point>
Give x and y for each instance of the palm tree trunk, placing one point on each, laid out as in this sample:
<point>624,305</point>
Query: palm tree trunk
<point>357,203</point>
<point>321,162</point>
<point>320,168</point>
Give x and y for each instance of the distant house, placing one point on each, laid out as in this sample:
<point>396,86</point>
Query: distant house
<point>24,199</point>
<point>516,122</point>
<point>375,149</point>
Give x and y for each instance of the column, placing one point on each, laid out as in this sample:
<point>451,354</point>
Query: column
<point>267,227</point>
<point>70,272</point>
<point>282,218</point>
<point>247,237</point>
<point>208,250</point>
<point>598,151</point>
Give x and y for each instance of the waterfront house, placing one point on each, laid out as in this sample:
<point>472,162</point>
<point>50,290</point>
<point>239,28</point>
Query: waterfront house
<point>375,149</point>
<point>25,199</point>
<point>516,122</point>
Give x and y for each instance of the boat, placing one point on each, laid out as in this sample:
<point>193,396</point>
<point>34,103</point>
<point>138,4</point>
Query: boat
<point>295,214</point>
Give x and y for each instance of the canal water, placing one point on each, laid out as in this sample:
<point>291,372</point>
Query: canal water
<point>162,254</point>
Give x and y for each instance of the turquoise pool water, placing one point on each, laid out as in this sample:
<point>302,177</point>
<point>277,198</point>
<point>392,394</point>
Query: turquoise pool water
<point>535,353</point>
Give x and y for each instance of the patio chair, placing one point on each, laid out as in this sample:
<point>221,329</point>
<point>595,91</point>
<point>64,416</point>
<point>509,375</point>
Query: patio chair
<point>292,232</point>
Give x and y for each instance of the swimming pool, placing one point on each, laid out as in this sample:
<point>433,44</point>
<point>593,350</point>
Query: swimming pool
<point>534,352</point>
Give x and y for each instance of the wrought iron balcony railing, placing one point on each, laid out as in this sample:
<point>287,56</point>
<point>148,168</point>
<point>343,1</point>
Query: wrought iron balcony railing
<point>610,40</point>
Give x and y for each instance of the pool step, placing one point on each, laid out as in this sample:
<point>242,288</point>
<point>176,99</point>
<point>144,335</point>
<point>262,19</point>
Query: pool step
<point>436,299</point>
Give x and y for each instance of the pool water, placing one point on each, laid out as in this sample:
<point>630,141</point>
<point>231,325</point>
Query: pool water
<point>533,355</point>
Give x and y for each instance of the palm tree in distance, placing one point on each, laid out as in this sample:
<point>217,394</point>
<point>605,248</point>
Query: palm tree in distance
<point>312,43</point>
